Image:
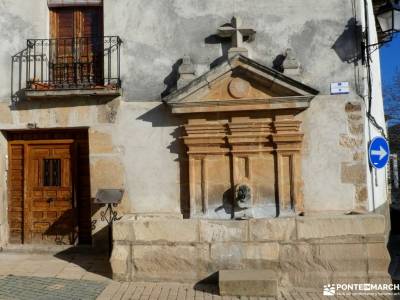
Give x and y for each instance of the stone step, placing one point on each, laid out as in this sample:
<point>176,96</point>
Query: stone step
<point>47,249</point>
<point>248,283</point>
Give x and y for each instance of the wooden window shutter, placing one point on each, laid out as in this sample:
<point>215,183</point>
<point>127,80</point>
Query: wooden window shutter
<point>76,22</point>
<point>77,45</point>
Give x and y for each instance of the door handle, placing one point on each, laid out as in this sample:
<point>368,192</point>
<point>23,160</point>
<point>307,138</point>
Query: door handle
<point>50,200</point>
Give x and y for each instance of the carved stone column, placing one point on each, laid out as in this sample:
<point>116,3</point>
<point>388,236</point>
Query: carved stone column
<point>206,143</point>
<point>287,141</point>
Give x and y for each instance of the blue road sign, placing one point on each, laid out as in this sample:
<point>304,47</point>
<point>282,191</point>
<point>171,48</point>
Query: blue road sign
<point>378,152</point>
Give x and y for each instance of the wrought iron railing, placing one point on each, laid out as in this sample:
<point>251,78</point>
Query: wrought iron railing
<point>66,63</point>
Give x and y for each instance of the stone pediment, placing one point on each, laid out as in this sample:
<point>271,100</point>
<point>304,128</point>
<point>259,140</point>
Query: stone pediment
<point>241,84</point>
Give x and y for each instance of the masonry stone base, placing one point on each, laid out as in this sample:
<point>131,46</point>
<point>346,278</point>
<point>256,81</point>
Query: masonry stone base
<point>303,251</point>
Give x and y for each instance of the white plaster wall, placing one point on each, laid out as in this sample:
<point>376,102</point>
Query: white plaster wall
<point>323,124</point>
<point>144,133</point>
<point>377,179</point>
<point>156,34</point>
<point>19,21</point>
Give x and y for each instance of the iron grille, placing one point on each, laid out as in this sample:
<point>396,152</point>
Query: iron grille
<point>67,63</point>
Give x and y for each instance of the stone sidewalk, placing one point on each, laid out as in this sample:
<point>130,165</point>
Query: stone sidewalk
<point>170,291</point>
<point>86,276</point>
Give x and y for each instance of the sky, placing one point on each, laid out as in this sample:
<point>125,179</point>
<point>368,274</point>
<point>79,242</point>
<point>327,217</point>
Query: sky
<point>390,62</point>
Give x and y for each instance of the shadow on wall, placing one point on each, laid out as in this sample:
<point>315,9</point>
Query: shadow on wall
<point>348,44</point>
<point>101,238</point>
<point>171,80</point>
<point>161,116</point>
<point>227,203</point>
<point>277,63</point>
<point>226,44</point>
<point>62,230</point>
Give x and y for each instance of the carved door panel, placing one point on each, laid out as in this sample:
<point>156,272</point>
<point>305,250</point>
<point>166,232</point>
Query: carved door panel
<point>49,207</point>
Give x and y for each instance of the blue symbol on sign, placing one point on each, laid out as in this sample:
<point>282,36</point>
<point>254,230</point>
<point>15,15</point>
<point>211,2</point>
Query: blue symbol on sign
<point>378,152</point>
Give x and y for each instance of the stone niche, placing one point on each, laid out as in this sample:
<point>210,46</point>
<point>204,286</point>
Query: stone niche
<point>243,140</point>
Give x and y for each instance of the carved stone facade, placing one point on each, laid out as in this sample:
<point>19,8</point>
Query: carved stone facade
<point>245,136</point>
<point>241,130</point>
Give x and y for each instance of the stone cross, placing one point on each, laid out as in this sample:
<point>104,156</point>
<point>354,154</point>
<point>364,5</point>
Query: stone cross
<point>237,33</point>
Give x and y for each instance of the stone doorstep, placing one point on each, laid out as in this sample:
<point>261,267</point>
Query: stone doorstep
<point>248,283</point>
<point>47,249</point>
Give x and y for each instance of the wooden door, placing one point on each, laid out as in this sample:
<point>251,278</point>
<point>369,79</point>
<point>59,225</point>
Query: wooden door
<point>62,48</point>
<point>49,209</point>
<point>77,46</point>
<point>16,193</point>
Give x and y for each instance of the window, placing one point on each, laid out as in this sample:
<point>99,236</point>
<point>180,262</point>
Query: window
<point>51,172</point>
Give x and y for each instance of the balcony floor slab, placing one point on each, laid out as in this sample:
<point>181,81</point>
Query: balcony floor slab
<point>65,93</point>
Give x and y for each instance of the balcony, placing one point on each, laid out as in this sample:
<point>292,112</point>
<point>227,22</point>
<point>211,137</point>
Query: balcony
<point>65,67</point>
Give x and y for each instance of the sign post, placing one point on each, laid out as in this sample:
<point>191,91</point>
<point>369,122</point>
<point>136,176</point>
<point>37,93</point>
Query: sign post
<point>111,198</point>
<point>378,152</point>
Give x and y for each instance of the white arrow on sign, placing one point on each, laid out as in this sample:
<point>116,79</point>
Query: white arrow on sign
<point>381,152</point>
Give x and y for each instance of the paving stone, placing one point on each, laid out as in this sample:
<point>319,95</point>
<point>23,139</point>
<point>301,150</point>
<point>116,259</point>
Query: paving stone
<point>28,287</point>
<point>129,292</point>
<point>96,277</point>
<point>110,291</point>
<point>164,293</point>
<point>70,274</point>
<point>147,290</point>
<point>155,292</point>
<point>121,291</point>
<point>181,293</point>
<point>138,292</point>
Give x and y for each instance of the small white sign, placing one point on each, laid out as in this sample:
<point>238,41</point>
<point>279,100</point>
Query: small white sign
<point>338,88</point>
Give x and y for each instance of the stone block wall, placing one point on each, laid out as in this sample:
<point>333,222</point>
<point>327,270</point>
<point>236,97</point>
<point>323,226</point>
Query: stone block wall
<point>303,251</point>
